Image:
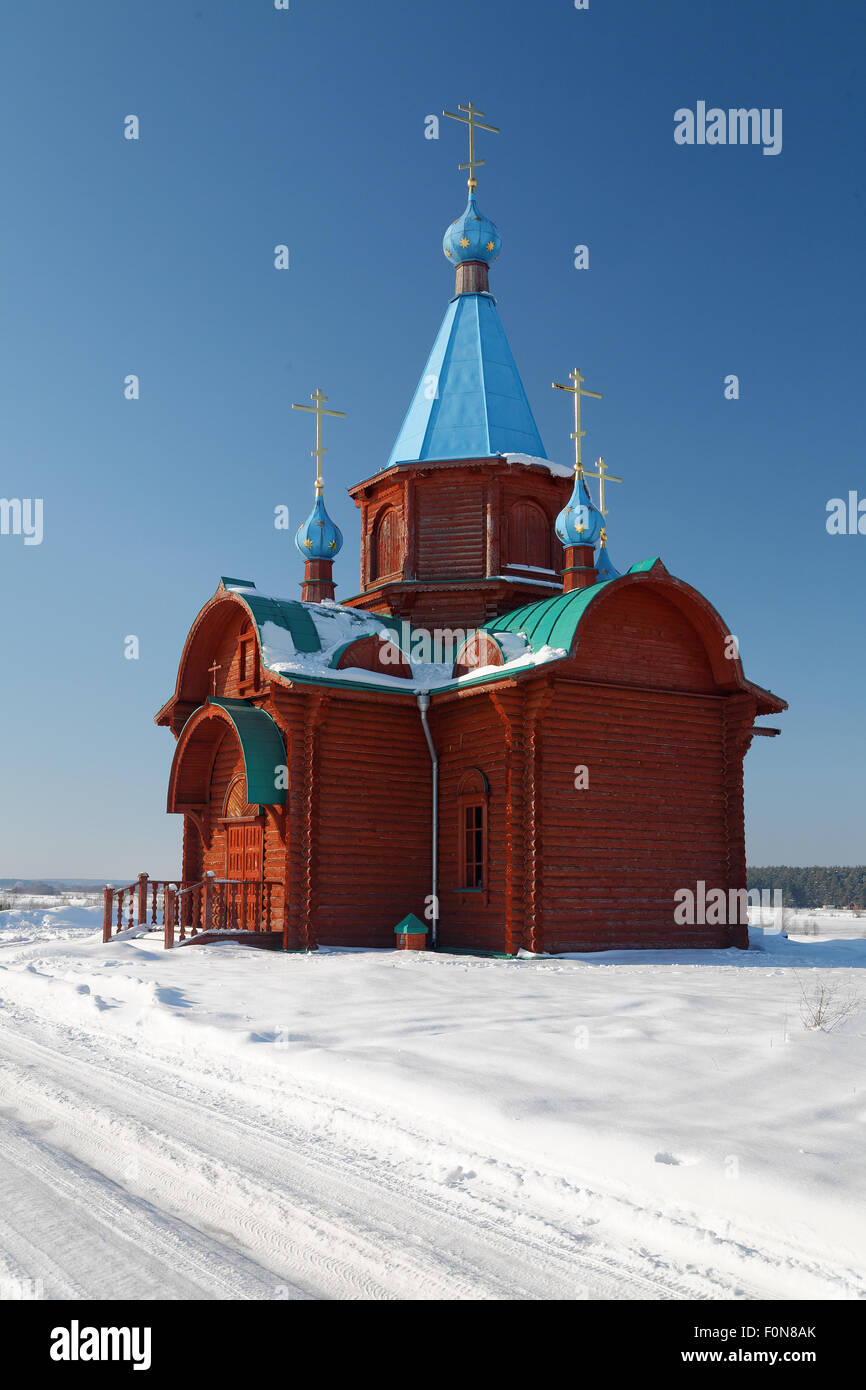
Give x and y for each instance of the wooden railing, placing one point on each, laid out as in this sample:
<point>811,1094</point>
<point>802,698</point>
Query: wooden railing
<point>129,906</point>
<point>218,904</point>
<point>214,904</point>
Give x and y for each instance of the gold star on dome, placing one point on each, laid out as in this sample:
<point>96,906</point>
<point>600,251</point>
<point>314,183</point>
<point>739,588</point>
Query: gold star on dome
<point>490,245</point>
<point>309,544</point>
<point>447,252</point>
<point>464,241</point>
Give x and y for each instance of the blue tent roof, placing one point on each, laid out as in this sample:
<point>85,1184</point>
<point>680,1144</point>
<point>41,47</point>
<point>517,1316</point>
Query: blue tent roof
<point>470,401</point>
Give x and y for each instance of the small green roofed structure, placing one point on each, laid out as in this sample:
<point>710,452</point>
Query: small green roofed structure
<point>410,926</point>
<point>411,934</point>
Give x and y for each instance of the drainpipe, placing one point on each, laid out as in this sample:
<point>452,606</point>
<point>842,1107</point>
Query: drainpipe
<point>423,706</point>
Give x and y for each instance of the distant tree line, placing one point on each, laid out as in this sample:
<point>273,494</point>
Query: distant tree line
<point>30,885</point>
<point>840,884</point>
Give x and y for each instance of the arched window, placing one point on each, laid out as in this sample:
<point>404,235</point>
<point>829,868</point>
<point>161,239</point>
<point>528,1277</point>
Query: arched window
<point>385,549</point>
<point>235,804</point>
<point>529,536</point>
<point>472,796</point>
<point>248,665</point>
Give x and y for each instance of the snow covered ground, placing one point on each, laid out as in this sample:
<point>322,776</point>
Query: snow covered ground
<point>68,899</point>
<point>219,1122</point>
<point>822,921</point>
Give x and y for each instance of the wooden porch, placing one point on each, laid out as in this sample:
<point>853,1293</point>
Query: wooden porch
<point>202,913</point>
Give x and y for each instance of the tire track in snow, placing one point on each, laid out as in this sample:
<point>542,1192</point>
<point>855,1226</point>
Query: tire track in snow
<point>397,1239</point>
<point>71,1228</point>
<point>343,1196</point>
<point>349,1234</point>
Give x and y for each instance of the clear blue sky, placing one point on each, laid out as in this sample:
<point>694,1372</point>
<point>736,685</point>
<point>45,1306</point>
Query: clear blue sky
<point>306,127</point>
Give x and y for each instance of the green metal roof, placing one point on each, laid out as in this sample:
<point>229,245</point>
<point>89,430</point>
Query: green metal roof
<point>289,614</point>
<point>263,749</point>
<point>549,622</point>
<point>643,566</point>
<point>552,622</point>
<point>294,617</point>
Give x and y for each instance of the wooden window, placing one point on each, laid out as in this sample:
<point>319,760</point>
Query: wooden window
<point>248,665</point>
<point>473,846</point>
<point>386,551</point>
<point>529,536</point>
<point>235,805</point>
<point>472,830</point>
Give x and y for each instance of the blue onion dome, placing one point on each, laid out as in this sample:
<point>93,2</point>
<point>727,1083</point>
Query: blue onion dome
<point>580,523</point>
<point>603,568</point>
<point>472,237</point>
<point>319,538</point>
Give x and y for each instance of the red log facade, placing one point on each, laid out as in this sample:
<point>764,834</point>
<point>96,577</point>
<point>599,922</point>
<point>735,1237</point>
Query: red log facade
<point>576,797</point>
<point>493,736</point>
<point>461,541</point>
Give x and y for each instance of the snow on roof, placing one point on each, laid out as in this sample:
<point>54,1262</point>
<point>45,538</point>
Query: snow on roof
<point>302,642</point>
<point>513,645</point>
<point>336,625</point>
<point>552,583</point>
<point>559,470</point>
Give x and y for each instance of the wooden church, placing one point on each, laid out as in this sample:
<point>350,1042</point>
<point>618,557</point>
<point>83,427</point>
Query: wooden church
<point>500,742</point>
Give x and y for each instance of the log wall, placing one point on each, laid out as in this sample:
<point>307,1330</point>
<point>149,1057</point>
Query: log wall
<point>459,523</point>
<point>361,800</point>
<point>653,818</point>
<point>642,704</point>
<point>468,733</point>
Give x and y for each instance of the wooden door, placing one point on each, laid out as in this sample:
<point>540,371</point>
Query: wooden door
<point>245,867</point>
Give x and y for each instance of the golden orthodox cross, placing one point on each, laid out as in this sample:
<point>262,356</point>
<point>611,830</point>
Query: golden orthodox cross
<point>602,476</point>
<point>472,119</point>
<point>319,410</point>
<point>213,669</point>
<point>577,434</point>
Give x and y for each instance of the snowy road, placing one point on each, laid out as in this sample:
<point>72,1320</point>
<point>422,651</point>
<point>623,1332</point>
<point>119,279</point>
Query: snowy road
<point>147,1154</point>
<point>161,1181</point>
